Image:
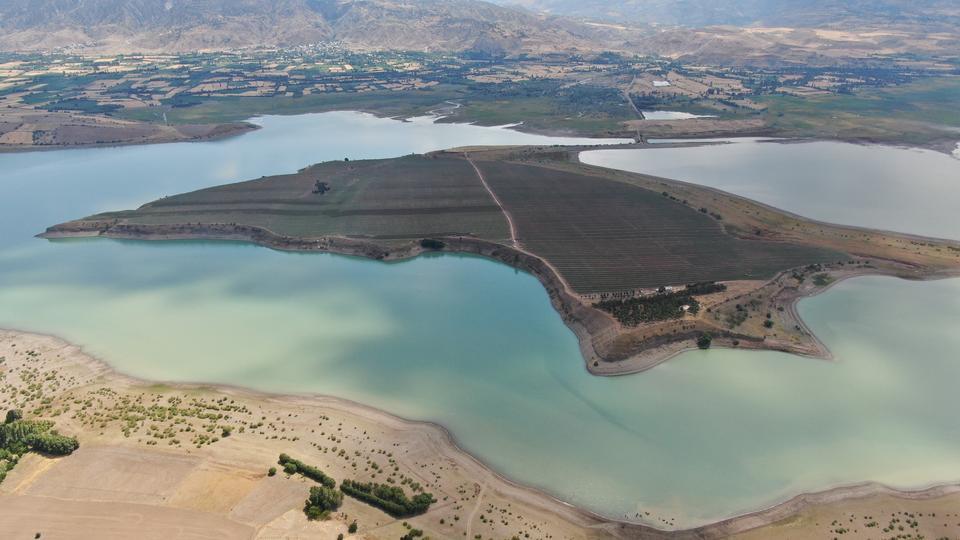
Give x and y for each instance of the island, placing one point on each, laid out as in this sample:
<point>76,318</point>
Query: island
<point>640,268</point>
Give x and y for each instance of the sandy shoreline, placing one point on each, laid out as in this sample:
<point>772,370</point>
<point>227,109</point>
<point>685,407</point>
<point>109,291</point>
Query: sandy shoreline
<point>434,440</point>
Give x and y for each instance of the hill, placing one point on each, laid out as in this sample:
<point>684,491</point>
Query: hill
<point>793,13</point>
<point>188,25</point>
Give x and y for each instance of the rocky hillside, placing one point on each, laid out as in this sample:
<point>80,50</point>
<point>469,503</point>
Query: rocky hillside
<point>793,13</point>
<point>186,25</point>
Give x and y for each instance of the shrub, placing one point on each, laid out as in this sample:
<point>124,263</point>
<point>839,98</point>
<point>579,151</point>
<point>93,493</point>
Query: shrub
<point>352,528</point>
<point>13,415</point>
<point>272,471</point>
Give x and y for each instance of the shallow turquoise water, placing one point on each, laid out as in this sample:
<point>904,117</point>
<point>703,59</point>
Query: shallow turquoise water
<point>899,189</point>
<point>475,345</point>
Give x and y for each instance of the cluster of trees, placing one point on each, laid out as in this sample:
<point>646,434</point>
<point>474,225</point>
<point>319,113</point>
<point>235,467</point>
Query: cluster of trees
<point>430,243</point>
<point>321,501</point>
<point>390,499</point>
<point>295,466</point>
<point>659,307</point>
<point>705,287</point>
<point>19,436</point>
<point>325,498</point>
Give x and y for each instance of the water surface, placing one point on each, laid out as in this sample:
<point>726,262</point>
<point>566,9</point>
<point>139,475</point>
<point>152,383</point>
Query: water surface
<point>475,345</point>
<point>899,189</point>
<point>673,115</point>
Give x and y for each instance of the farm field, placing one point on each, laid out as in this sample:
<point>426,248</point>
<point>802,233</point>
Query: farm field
<point>601,235</point>
<point>404,198</point>
<point>604,235</point>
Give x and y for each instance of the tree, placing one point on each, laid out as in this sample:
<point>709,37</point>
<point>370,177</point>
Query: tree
<point>322,501</point>
<point>352,528</point>
<point>13,415</point>
<point>704,341</point>
<point>272,471</point>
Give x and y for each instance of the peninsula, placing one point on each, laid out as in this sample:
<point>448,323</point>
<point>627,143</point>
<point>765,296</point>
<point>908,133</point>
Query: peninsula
<point>639,267</point>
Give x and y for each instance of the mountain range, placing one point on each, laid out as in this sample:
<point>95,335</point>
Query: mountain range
<point>792,13</point>
<point>755,31</point>
<point>187,25</point>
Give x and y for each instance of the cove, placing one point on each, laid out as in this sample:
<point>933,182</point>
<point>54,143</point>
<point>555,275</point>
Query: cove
<point>475,345</point>
<point>897,189</point>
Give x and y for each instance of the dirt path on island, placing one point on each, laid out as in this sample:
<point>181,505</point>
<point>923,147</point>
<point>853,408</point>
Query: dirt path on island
<point>513,228</point>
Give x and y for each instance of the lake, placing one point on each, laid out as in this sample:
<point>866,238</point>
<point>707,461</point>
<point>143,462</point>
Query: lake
<point>898,189</point>
<point>473,344</point>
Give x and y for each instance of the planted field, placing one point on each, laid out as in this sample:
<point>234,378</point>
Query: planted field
<point>404,198</point>
<point>604,235</point>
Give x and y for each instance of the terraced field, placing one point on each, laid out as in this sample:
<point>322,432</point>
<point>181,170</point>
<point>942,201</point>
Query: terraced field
<point>604,235</point>
<point>404,198</point>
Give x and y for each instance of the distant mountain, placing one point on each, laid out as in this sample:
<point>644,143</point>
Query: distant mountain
<point>185,25</point>
<point>794,13</point>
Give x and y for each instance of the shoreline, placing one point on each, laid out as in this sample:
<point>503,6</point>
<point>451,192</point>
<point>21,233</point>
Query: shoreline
<point>607,347</point>
<point>245,125</point>
<point>596,331</point>
<point>220,132</point>
<point>450,447</point>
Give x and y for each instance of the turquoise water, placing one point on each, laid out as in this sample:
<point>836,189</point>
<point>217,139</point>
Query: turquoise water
<point>899,189</point>
<point>475,345</point>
